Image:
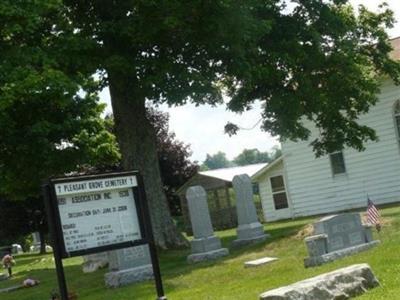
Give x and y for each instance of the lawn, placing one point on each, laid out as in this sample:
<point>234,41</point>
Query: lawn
<point>225,278</point>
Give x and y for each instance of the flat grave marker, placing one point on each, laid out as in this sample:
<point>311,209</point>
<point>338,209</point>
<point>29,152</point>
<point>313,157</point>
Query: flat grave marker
<point>259,262</point>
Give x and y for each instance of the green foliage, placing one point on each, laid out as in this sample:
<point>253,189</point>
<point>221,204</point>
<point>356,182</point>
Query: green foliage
<point>252,156</point>
<point>49,113</point>
<point>215,161</point>
<point>246,157</point>
<point>14,222</point>
<point>318,61</point>
<point>276,152</point>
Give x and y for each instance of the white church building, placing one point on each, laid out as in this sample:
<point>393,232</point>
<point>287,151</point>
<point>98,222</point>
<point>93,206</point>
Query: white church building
<point>299,184</point>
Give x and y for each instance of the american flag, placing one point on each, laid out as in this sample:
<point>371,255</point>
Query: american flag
<point>373,215</point>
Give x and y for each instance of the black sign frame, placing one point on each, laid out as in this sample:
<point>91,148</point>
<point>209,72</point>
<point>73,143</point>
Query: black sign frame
<point>58,227</point>
<point>57,236</point>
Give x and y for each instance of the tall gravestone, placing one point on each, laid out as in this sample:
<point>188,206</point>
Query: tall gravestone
<point>205,245</point>
<point>249,229</point>
<point>35,242</point>
<point>337,236</point>
<point>128,265</point>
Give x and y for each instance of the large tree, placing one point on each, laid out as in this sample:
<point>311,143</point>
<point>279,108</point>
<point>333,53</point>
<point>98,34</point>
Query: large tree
<point>314,60</point>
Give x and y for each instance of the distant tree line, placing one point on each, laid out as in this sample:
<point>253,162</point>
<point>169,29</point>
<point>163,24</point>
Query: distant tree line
<point>246,157</point>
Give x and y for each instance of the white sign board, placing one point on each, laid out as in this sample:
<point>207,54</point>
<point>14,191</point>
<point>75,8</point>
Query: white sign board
<point>97,212</point>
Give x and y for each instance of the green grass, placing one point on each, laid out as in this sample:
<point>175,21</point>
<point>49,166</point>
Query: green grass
<point>225,278</point>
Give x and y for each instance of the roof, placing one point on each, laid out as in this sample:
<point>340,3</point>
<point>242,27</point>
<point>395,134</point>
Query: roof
<point>267,167</point>
<point>220,177</point>
<point>227,174</point>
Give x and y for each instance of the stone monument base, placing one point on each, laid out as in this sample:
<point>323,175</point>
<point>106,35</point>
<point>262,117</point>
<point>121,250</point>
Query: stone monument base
<point>210,255</point>
<point>119,278</point>
<point>331,256</point>
<point>206,244</point>
<point>243,242</point>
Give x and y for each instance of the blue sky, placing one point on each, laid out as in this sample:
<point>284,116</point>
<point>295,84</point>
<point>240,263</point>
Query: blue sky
<point>203,127</point>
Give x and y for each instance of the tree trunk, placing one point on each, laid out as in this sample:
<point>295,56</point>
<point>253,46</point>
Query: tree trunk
<point>137,142</point>
<point>42,241</point>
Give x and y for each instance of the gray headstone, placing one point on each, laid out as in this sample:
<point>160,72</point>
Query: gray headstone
<point>249,228</point>
<point>36,238</point>
<point>343,283</point>
<point>205,245</point>
<point>129,258</point>
<point>199,214</point>
<point>337,236</point>
<point>343,230</point>
<point>17,249</point>
<point>128,265</point>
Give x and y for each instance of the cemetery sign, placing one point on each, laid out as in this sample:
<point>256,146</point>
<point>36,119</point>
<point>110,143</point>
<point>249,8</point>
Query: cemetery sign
<point>98,213</point>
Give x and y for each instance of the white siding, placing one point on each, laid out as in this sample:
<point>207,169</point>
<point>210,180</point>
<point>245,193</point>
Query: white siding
<point>376,171</point>
<point>270,214</point>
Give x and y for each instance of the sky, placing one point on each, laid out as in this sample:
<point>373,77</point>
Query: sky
<point>203,127</point>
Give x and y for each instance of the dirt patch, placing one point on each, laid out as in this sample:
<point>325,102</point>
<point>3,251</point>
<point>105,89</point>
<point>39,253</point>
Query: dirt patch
<point>304,232</point>
<point>385,221</point>
<point>308,229</point>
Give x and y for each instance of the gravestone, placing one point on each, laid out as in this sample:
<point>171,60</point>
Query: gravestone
<point>35,242</point>
<point>249,229</point>
<point>128,265</point>
<point>341,284</point>
<point>94,262</point>
<point>337,236</point>
<point>205,245</point>
<point>17,249</point>
<point>259,262</point>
